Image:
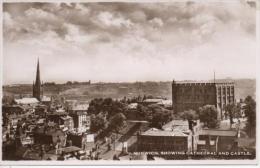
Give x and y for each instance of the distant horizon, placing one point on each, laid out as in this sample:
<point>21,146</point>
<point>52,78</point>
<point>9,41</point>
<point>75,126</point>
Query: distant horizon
<point>120,82</point>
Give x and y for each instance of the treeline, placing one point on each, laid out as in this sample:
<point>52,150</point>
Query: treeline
<point>68,83</point>
<point>108,115</point>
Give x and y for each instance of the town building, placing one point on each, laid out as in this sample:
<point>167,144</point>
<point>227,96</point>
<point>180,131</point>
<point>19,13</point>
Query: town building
<point>152,101</point>
<point>217,140</point>
<point>62,119</point>
<point>187,136</point>
<point>82,140</point>
<point>56,117</point>
<point>162,141</point>
<point>41,110</point>
<point>13,109</point>
<point>193,95</point>
<point>80,118</point>
<point>67,123</point>
<point>177,135</point>
<point>49,135</point>
<point>46,101</point>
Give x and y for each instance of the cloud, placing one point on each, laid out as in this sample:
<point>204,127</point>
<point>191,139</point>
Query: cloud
<point>36,14</point>
<point>157,22</point>
<point>107,19</point>
<point>138,16</point>
<point>146,41</point>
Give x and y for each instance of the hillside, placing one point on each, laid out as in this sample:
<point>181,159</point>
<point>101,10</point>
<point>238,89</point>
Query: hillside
<point>244,87</point>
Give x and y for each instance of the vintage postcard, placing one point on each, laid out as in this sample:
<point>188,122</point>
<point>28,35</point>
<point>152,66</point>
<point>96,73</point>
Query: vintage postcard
<point>129,82</point>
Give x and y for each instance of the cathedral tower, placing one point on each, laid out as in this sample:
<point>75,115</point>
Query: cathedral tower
<point>37,84</point>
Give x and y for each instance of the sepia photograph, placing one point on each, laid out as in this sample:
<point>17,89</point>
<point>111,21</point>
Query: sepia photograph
<point>154,81</point>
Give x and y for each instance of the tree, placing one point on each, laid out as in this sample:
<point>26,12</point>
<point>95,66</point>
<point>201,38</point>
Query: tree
<point>208,114</point>
<point>117,122</point>
<point>189,115</point>
<point>69,83</point>
<point>7,99</point>
<point>159,116</point>
<point>250,113</point>
<point>107,105</point>
<point>95,106</point>
<point>49,84</point>
<point>142,111</point>
<point>232,111</point>
<point>98,123</point>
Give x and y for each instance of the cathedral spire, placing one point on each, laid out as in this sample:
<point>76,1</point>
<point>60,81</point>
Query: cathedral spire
<point>37,84</point>
<point>38,79</point>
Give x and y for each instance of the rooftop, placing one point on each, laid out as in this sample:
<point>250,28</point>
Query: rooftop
<point>57,113</point>
<point>157,132</point>
<point>60,110</point>
<point>204,82</point>
<point>165,102</point>
<point>153,100</point>
<point>132,106</point>
<point>177,122</point>
<point>182,125</point>
<point>81,107</point>
<point>47,130</point>
<point>231,133</point>
<point>26,101</point>
<point>65,117</point>
<point>46,99</point>
<point>70,149</point>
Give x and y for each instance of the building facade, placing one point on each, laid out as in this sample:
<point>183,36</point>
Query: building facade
<point>217,140</point>
<point>80,117</point>
<point>177,135</point>
<point>163,141</point>
<point>193,95</point>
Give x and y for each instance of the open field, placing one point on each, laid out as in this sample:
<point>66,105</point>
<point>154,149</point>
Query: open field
<point>244,87</point>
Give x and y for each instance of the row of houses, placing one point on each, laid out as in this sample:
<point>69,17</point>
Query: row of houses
<point>29,123</point>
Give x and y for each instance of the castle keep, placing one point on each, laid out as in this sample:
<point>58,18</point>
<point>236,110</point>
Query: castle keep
<point>193,95</point>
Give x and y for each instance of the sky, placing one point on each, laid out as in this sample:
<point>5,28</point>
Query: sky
<point>128,42</point>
